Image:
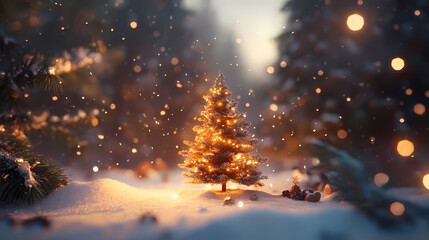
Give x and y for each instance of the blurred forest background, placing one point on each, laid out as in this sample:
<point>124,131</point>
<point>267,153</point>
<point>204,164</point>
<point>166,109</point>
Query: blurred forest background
<point>132,74</point>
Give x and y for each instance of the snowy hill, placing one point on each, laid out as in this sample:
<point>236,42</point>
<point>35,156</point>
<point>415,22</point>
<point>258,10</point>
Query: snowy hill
<point>111,209</point>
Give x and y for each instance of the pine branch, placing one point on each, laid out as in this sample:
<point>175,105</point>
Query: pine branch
<point>349,178</point>
<point>25,177</point>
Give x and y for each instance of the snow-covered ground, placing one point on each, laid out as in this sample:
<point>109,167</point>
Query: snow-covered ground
<point>111,207</point>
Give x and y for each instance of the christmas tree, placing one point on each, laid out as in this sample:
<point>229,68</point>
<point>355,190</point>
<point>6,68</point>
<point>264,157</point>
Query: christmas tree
<point>223,150</point>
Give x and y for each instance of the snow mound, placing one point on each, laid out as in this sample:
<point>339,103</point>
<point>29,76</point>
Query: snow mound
<point>237,194</point>
<point>89,195</point>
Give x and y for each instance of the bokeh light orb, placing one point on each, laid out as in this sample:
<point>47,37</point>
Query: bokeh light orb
<point>397,64</point>
<point>397,208</point>
<point>405,148</point>
<point>133,25</point>
<point>270,70</point>
<point>342,134</point>
<point>426,181</point>
<point>419,109</point>
<point>274,107</point>
<point>380,179</point>
<point>355,22</point>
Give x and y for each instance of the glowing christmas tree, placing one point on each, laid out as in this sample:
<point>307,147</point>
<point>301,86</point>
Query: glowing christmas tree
<point>223,150</point>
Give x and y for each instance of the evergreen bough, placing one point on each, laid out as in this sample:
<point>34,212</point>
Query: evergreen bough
<point>25,177</point>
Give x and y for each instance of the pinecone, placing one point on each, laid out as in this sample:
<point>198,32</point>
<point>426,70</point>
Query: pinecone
<point>285,193</point>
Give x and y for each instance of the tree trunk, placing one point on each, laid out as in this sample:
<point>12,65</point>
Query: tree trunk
<point>223,187</point>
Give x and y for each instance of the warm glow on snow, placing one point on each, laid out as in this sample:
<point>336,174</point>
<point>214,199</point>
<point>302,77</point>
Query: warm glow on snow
<point>397,64</point>
<point>405,148</point>
<point>355,22</point>
<point>397,208</point>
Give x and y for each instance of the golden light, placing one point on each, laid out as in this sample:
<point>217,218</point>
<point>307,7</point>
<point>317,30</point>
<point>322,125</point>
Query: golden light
<point>419,109</point>
<point>274,107</point>
<point>134,150</point>
<point>409,91</point>
<point>112,106</point>
<point>380,179</point>
<point>54,98</point>
<point>355,22</point>
<point>52,70</point>
<point>174,196</point>
<point>397,64</point>
<point>417,12</point>
<point>133,25</point>
<point>95,169</point>
<point>174,61</point>
<point>283,64</point>
<point>342,134</point>
<point>162,113</point>
<point>426,181</point>
<point>397,208</point>
<point>320,72</point>
<point>318,90</point>
<point>327,189</point>
<point>405,148</point>
<point>137,68</point>
<point>101,137</point>
<point>270,70</point>
<point>94,121</point>
<point>240,204</point>
<point>401,120</point>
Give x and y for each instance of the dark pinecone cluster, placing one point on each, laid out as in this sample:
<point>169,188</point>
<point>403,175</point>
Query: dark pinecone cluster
<point>295,193</point>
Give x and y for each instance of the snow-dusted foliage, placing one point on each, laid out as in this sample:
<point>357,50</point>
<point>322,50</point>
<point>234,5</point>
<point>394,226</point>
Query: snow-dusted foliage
<point>25,177</point>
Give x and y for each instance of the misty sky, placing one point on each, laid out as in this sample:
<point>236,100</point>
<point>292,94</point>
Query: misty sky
<point>256,23</point>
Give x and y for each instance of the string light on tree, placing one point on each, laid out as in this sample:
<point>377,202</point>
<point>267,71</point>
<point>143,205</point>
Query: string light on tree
<point>223,150</point>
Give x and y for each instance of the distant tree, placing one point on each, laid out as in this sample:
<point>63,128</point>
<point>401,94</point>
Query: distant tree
<point>338,84</point>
